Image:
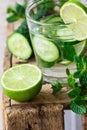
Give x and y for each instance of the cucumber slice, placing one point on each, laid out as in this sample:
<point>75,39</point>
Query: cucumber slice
<point>66,34</point>
<point>18,45</point>
<point>46,50</point>
<point>53,19</point>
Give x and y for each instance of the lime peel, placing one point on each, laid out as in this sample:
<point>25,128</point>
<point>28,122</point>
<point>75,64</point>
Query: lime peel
<point>76,18</point>
<point>23,93</point>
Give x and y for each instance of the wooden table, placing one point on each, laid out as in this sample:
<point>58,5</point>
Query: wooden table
<point>45,112</point>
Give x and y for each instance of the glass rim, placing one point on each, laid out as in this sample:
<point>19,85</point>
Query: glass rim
<point>29,7</point>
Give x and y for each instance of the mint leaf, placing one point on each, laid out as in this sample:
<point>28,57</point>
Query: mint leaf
<point>71,80</point>
<point>67,71</point>
<point>81,62</point>
<point>67,49</point>
<point>83,79</point>
<point>10,10</point>
<point>20,10</point>
<point>13,18</point>
<point>74,92</point>
<point>56,87</point>
<point>78,107</point>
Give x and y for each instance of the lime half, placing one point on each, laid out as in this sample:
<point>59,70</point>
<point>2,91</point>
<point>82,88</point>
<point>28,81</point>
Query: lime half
<point>74,14</point>
<point>22,82</point>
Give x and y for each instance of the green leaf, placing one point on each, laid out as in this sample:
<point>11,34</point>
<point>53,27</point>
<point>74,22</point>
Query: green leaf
<point>12,18</point>
<point>77,74</point>
<point>74,92</point>
<point>83,79</point>
<point>81,62</point>
<point>56,87</point>
<point>67,71</point>
<point>71,80</point>
<point>11,10</point>
<point>43,10</point>
<point>69,52</point>
<point>78,107</point>
<point>20,9</point>
<point>84,97</point>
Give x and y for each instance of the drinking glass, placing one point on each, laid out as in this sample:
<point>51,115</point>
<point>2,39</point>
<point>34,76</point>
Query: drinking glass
<point>54,44</point>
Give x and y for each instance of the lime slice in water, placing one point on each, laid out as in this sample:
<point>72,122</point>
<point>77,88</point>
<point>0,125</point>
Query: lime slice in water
<point>46,50</point>
<point>74,12</point>
<point>79,48</point>
<point>22,82</point>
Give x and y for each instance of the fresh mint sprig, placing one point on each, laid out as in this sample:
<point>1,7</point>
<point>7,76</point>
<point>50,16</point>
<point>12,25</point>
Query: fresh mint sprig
<point>77,81</point>
<point>16,13</point>
<point>57,86</point>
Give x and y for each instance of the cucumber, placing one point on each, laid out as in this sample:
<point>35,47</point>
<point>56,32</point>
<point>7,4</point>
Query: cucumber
<point>45,50</point>
<point>53,19</point>
<point>63,32</point>
<point>66,35</point>
<point>19,46</point>
<point>23,29</point>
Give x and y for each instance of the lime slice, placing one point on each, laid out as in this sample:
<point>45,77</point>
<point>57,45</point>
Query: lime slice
<point>74,14</point>
<point>22,82</point>
<point>79,48</point>
<point>19,46</point>
<point>46,50</point>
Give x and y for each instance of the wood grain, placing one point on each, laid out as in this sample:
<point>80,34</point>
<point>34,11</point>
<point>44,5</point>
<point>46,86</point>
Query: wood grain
<point>45,112</point>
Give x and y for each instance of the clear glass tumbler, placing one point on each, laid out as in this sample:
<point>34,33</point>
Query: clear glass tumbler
<point>54,44</point>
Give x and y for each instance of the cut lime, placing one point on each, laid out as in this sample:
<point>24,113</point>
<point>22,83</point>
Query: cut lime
<point>22,82</point>
<point>79,48</point>
<point>74,14</point>
<point>46,50</point>
<point>19,46</point>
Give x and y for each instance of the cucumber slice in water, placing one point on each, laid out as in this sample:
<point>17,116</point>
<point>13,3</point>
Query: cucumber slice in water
<point>18,45</point>
<point>66,34</point>
<point>53,19</point>
<point>63,32</point>
<point>46,50</point>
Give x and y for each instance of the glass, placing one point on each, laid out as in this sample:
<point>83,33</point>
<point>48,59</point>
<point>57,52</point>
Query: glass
<point>54,44</point>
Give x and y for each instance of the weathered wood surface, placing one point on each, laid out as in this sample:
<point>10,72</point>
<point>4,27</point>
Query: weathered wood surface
<point>44,112</point>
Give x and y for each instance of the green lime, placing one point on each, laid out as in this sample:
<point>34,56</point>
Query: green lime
<point>79,48</point>
<point>22,82</point>
<point>19,46</point>
<point>74,14</point>
<point>45,50</point>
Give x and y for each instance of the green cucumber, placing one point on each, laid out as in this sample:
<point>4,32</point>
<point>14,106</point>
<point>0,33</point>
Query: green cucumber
<point>19,46</point>
<point>53,19</point>
<point>45,50</point>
